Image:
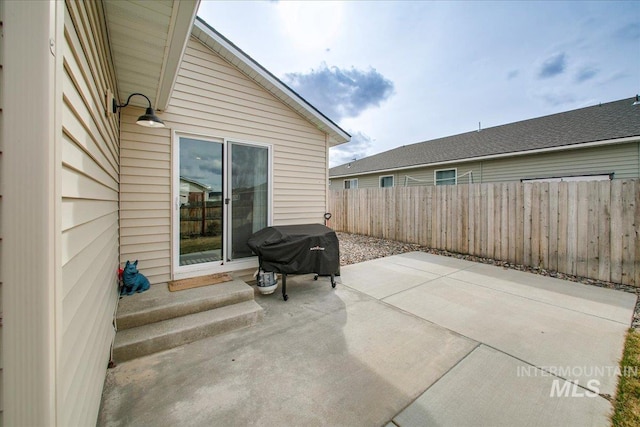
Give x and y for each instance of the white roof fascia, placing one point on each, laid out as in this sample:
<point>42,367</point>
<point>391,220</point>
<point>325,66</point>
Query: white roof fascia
<point>500,156</point>
<point>182,17</point>
<point>265,79</point>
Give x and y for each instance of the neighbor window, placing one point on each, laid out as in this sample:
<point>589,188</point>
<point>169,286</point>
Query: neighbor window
<point>386,181</point>
<point>446,177</point>
<point>350,183</point>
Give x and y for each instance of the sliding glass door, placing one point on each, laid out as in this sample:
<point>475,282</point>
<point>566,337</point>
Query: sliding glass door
<point>222,196</point>
<point>249,187</point>
<point>201,219</point>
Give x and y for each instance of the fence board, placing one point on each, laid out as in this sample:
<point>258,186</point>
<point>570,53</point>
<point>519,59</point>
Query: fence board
<point>563,226</point>
<point>463,224</point>
<point>604,231</point>
<point>592,230</point>
<point>572,229</point>
<point>535,225</point>
<point>552,229</point>
<point>526,248</point>
<point>519,224</point>
<point>505,238</point>
<point>453,216</point>
<point>471,218</point>
<point>628,233</point>
<point>582,228</point>
<point>490,236</point>
<point>435,231</point>
<point>426,197</point>
<point>497,221</point>
<point>484,222</point>
<point>616,231</point>
<point>582,232</point>
<point>544,225</point>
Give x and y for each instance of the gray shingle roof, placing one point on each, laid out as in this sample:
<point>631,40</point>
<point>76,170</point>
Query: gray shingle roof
<point>612,120</point>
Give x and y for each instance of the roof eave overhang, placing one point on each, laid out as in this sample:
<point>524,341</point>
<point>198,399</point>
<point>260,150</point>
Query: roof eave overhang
<point>496,156</point>
<point>128,25</point>
<point>182,18</point>
<point>231,53</point>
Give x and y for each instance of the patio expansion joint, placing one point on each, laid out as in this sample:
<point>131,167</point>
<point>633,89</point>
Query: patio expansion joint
<point>478,344</point>
<point>440,276</point>
<point>544,302</point>
<point>546,371</point>
<point>415,316</point>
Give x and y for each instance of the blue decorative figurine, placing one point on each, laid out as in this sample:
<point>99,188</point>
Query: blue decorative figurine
<point>133,280</point>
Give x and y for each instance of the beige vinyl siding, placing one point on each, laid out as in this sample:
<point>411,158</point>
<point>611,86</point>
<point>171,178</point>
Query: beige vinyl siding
<point>213,98</point>
<point>89,211</point>
<point>145,193</point>
<point>621,159</point>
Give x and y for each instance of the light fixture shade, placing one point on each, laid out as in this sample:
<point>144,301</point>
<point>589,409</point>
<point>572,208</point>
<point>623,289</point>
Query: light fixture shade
<point>149,119</point>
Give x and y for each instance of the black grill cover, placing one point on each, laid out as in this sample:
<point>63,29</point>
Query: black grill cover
<point>297,249</point>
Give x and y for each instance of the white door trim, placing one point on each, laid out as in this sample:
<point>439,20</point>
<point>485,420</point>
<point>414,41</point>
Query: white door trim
<point>224,265</point>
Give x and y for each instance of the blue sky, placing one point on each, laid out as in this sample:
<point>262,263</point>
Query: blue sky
<point>394,73</point>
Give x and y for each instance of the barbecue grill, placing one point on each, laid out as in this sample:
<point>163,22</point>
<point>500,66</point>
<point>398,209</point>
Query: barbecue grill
<point>297,249</point>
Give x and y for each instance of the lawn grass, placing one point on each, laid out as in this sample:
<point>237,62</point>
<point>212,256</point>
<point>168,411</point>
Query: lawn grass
<point>200,244</point>
<point>626,411</point>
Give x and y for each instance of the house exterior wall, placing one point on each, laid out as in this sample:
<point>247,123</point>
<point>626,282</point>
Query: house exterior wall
<point>29,154</point>
<point>213,98</point>
<point>89,214</point>
<point>621,159</point>
<point>28,270</point>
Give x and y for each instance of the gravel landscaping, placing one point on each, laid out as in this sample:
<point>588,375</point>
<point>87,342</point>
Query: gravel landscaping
<point>356,248</point>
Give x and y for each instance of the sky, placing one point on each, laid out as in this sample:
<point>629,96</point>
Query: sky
<point>394,73</point>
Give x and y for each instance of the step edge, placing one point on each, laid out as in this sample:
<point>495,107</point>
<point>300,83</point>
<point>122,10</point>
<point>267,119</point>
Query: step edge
<point>123,353</point>
<point>181,308</point>
<point>221,314</point>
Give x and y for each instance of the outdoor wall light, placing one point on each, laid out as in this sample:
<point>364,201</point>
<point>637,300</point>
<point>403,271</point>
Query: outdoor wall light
<point>148,119</point>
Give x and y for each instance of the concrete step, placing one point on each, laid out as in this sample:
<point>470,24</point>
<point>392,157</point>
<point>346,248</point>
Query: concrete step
<point>152,338</point>
<point>158,303</point>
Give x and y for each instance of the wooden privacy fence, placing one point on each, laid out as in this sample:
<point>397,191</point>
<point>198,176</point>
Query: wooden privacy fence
<point>588,229</point>
<point>201,219</point>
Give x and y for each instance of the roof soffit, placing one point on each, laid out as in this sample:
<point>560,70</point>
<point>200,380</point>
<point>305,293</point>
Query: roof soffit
<point>147,40</point>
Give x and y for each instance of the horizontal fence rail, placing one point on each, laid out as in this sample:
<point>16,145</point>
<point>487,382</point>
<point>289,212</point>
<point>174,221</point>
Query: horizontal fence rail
<point>587,229</point>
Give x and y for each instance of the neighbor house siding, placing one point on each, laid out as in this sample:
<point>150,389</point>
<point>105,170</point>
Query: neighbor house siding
<point>213,98</point>
<point>89,207</point>
<point>621,159</point>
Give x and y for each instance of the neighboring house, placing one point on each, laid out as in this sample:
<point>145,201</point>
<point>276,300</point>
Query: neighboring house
<point>84,190</point>
<point>599,142</point>
<point>193,191</point>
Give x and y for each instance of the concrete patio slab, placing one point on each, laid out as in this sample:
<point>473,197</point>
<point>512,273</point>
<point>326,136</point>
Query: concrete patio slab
<point>601,302</point>
<point>325,357</point>
<point>542,334</point>
<point>412,339</point>
<point>479,391</point>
